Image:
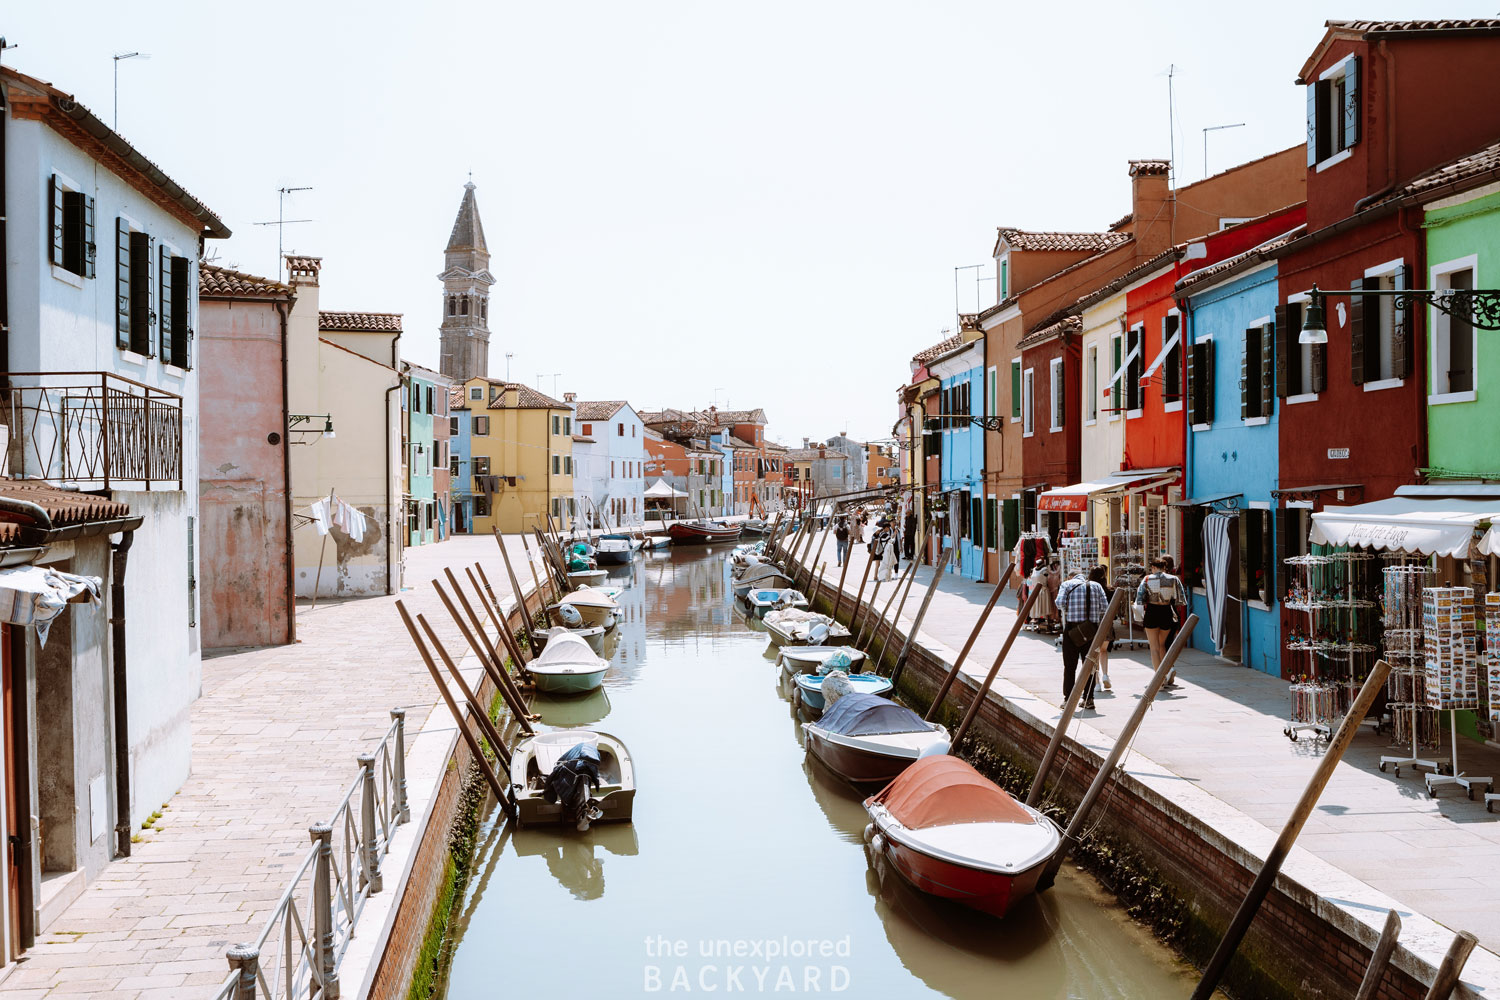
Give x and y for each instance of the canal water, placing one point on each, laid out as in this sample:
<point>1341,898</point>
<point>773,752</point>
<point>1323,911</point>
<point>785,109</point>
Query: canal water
<point>744,869</point>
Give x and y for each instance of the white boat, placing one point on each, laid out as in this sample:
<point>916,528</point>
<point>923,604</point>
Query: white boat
<point>760,577</point>
<point>793,627</point>
<point>581,802</point>
<point>771,599</point>
<point>567,665</point>
<point>594,605</point>
<point>795,660</point>
<point>587,575</point>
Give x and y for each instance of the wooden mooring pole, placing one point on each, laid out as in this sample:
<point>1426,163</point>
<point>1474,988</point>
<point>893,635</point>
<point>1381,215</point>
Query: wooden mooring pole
<point>916,625</point>
<point>989,678</point>
<point>498,676</point>
<point>1380,957</point>
<point>909,577</point>
<point>1268,872</point>
<point>488,594</point>
<point>860,596</point>
<point>1446,980</point>
<point>838,601</point>
<point>963,654</point>
<point>515,584</point>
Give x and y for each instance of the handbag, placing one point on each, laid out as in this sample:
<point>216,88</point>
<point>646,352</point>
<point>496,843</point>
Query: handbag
<point>1080,634</point>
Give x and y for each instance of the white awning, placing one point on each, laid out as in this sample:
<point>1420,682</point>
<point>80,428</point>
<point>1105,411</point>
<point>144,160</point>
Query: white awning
<point>659,490</point>
<point>1076,497</point>
<point>1416,525</point>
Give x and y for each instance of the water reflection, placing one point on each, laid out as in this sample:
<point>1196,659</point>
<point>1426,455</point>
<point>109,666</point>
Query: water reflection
<point>582,710</point>
<point>576,860</point>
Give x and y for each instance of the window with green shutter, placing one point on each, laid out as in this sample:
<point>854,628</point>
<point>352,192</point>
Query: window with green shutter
<point>1015,389</point>
<point>991,523</point>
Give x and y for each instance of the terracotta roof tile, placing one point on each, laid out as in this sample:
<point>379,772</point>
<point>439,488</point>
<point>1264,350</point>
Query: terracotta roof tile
<point>458,397</point>
<point>1262,252</point>
<point>527,398</point>
<point>1020,239</point>
<point>64,507</point>
<point>937,350</point>
<point>216,282</point>
<point>1062,328</point>
<point>1475,164</point>
<point>598,409</point>
<point>1432,24</point>
<point>1150,168</point>
<point>359,322</point>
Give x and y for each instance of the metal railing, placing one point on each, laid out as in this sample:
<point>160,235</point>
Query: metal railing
<point>301,944</point>
<point>92,429</point>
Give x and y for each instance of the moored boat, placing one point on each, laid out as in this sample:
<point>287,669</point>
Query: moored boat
<point>593,604</point>
<point>581,576</point>
<point>759,576</point>
<point>810,687</point>
<point>702,532</point>
<point>616,549</point>
<point>567,665</point>
<point>593,636</point>
<point>572,776</point>
<point>793,627</point>
<point>953,833</point>
<point>796,660</point>
<point>771,599</point>
<point>867,739</point>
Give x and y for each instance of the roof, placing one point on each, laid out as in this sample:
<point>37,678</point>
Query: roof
<point>427,374</point>
<point>1377,29</point>
<point>216,282</point>
<point>734,442</point>
<point>1150,168</point>
<point>70,119</point>
<point>64,507</point>
<point>527,398</point>
<point>359,322</point>
<point>598,409</point>
<point>937,350</point>
<point>1062,328</point>
<point>1471,167</point>
<point>340,347</point>
<point>1238,262</point>
<point>458,397</point>
<point>1020,239</point>
<point>1161,261</point>
<point>468,231</point>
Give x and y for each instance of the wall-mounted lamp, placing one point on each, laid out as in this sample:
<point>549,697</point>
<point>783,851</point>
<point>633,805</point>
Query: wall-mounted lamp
<point>293,419</point>
<point>1479,307</point>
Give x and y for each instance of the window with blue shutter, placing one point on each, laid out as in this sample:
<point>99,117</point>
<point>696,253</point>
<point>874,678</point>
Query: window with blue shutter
<point>1333,112</point>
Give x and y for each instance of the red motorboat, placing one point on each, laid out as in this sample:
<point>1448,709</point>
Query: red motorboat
<point>701,532</point>
<point>953,833</point>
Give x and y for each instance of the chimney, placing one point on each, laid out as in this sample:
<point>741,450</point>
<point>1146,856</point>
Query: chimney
<point>807,442</point>
<point>1151,221</point>
<point>302,270</point>
<point>569,397</point>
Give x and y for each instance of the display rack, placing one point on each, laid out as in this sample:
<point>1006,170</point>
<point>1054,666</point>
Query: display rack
<point>1452,665</point>
<point>1492,670</point>
<point>1337,638</point>
<point>1127,567</point>
<point>1413,722</point>
<point>1079,554</point>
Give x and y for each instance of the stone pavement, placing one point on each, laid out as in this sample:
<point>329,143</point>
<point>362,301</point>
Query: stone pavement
<point>276,734</point>
<point>1222,731</point>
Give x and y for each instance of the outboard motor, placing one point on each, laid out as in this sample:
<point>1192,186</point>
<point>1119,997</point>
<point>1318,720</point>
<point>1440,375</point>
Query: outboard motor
<point>818,634</point>
<point>572,782</point>
<point>570,616</point>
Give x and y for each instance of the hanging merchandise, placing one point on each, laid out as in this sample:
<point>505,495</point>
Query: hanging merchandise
<point>1449,642</point>
<point>1216,573</point>
<point>1414,722</point>
<point>1127,567</point>
<point>1492,653</point>
<point>1336,642</point>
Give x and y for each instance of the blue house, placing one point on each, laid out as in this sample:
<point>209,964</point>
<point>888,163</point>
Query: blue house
<point>462,468</point>
<point>1229,523</point>
<point>960,375</point>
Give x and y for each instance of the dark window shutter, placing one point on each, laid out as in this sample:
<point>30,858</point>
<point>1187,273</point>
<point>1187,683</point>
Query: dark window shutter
<point>168,335</point>
<point>1247,366</point>
<point>55,199</point>
<point>122,285</point>
<point>141,297</point>
<point>1243,526</point>
<point>1207,409</point>
<point>1283,340</point>
<point>1268,555</point>
<point>90,251</point>
<point>1357,336</point>
<point>1319,367</point>
<point>1401,330</point>
<point>1192,385</point>
<point>1323,130</point>
<point>182,333</point>
<point>1312,124</point>
<point>1351,102</point>
<point>1267,379</point>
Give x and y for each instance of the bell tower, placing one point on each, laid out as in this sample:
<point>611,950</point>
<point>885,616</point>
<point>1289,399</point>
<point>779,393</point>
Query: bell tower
<point>466,278</point>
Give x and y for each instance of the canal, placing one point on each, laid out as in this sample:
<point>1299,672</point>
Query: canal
<point>744,869</point>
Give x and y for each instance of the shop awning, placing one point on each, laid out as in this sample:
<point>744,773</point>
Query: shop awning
<point>1416,525</point>
<point>1076,497</point>
<point>659,490</point>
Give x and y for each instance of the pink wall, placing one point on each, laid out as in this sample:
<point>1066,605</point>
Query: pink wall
<point>243,530</point>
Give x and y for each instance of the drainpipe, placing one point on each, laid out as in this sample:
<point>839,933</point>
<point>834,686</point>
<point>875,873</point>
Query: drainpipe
<point>392,525</point>
<point>286,482</point>
<point>4,243</point>
<point>120,551</point>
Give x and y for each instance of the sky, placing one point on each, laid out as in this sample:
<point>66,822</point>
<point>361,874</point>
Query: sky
<point>685,203</point>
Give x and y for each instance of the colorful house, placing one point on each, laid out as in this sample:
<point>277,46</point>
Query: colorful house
<point>460,465</point>
<point>424,398</point>
<point>960,489</point>
<point>609,458</point>
<point>520,458</point>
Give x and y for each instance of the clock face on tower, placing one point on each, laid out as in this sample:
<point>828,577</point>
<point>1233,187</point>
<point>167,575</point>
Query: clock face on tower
<point>466,279</point>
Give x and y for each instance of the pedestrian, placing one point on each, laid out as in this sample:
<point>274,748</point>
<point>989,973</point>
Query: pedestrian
<point>1099,575</point>
<point>1054,583</point>
<point>841,537</point>
<point>1159,594</point>
<point>882,551</point>
<point>1179,611</point>
<point>1043,608</point>
<point>909,533</point>
<point>1083,603</point>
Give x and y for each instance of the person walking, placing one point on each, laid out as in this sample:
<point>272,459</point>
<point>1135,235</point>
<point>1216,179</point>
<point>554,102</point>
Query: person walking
<point>1160,592</point>
<point>909,533</point>
<point>1083,603</point>
<point>1099,575</point>
<point>841,538</point>
<point>882,552</point>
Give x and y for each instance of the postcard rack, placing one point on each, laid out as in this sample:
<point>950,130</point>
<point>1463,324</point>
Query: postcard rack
<point>1336,641</point>
<point>1127,567</point>
<point>1414,724</point>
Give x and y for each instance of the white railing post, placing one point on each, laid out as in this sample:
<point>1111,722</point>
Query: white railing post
<point>369,842</point>
<point>398,766</point>
<point>324,964</point>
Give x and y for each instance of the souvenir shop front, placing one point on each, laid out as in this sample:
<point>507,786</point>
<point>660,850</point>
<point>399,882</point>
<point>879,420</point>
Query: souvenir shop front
<point>1412,579</point>
<point>1132,502</point>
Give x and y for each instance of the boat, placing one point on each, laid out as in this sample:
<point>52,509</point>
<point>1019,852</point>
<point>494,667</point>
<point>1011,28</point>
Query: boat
<point>867,739</point>
<point>702,532</point>
<point>582,576</point>
<point>616,549</point>
<point>587,776</point>
<point>810,687</point>
<point>567,665</point>
<point>754,526</point>
<point>760,577</point>
<point>953,833</point>
<point>656,543</point>
<point>795,660</point>
<point>593,604</point>
<point>762,601</point>
<point>593,636</point>
<point>793,627</point>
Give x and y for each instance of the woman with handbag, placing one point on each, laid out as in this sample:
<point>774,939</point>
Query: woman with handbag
<point>1159,593</point>
<point>1083,603</point>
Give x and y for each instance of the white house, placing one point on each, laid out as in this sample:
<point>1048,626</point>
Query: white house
<point>609,458</point>
<point>101,287</point>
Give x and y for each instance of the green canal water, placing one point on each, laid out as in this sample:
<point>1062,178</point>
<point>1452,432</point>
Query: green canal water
<point>744,871</point>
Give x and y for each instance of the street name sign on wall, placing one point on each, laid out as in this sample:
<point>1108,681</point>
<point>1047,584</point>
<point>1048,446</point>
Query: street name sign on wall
<point>1338,453</point>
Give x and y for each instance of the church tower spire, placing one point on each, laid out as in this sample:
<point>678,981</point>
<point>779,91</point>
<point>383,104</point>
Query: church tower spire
<point>466,278</point>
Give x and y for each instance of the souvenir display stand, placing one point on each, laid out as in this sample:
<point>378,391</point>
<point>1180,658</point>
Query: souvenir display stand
<point>1452,665</point>
<point>1413,721</point>
<point>1492,668</point>
<point>1127,567</point>
<point>1337,641</point>
<point>1079,554</point>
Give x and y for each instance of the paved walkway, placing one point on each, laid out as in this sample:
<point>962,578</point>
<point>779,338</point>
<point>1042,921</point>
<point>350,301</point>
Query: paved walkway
<point>1222,731</point>
<point>276,734</point>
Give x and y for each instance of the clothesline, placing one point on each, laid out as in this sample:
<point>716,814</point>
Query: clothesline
<point>332,511</point>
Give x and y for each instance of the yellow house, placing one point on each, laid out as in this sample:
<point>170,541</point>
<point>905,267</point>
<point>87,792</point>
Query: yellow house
<point>520,456</point>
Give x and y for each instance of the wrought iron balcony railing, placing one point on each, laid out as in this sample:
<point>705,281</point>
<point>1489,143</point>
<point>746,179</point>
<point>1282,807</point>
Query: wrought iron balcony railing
<point>95,430</point>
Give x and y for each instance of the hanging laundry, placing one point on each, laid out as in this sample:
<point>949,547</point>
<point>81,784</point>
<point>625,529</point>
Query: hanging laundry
<point>35,595</point>
<point>321,516</point>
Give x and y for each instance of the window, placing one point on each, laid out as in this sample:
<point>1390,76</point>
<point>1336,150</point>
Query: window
<point>481,426</point>
<point>556,424</point>
<point>1292,538</point>
<point>1015,389</point>
<point>1135,369</point>
<point>1255,373</point>
<point>632,430</point>
<point>1257,556</point>
<point>484,308</point>
<point>586,430</point>
<point>481,465</point>
<point>1028,410</point>
<point>1377,329</point>
<point>1171,365</point>
<point>1300,368</point>
<point>452,306</point>
<point>453,426</point>
<point>1116,385</point>
<point>1004,278</point>
<point>442,403</point>
<point>620,429</point>
<point>567,465</point>
<point>557,465</point>
<point>1092,411</point>
<point>72,219</point>
<point>176,335</point>
<point>991,524</point>
<point>976,521</point>
<point>477,392</point>
<point>1453,338</point>
<point>463,307</point>
<point>567,425</point>
<point>1058,394</point>
<point>1200,378</point>
<point>993,386</point>
<point>134,304</point>
<point>453,466</point>
<point>481,505</point>
<point>429,400</point>
<point>1333,113</point>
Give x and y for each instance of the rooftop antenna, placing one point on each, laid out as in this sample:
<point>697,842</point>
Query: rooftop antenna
<point>1172,153</point>
<point>1214,128</point>
<point>554,376</point>
<point>979,279</point>
<point>508,356</point>
<point>281,222</point>
<point>119,58</point>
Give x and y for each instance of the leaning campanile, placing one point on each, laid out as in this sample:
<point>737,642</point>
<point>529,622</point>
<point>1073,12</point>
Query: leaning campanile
<point>466,282</point>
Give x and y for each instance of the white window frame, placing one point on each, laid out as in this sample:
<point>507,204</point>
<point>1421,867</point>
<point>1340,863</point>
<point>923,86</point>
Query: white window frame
<point>1386,270</point>
<point>68,184</point>
<point>992,390</point>
<point>1125,371</point>
<point>1438,321</point>
<point>1339,68</point>
<point>1205,338</point>
<point>1261,421</point>
<point>1091,374</point>
<point>1028,402</point>
<point>1117,382</point>
<point>125,353</point>
<point>1057,394</point>
<point>1177,341</point>
<point>476,392</point>
<point>192,300</point>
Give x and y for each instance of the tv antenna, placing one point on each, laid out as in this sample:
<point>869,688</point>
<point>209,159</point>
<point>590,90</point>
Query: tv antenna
<point>281,223</point>
<point>1214,128</point>
<point>508,356</point>
<point>119,58</point>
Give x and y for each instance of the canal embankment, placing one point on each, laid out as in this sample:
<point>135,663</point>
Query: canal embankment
<point>1204,791</point>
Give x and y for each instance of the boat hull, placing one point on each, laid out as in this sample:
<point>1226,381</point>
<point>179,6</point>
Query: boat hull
<point>594,636</point>
<point>701,534</point>
<point>989,892</point>
<point>855,766</point>
<point>581,682</point>
<point>783,638</point>
<point>812,694</point>
<point>593,616</point>
<point>620,558</point>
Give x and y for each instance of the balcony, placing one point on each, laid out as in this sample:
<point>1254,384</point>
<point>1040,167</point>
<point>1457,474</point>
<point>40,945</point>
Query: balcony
<point>92,430</point>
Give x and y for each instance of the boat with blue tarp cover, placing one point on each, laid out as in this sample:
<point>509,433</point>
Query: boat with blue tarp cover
<point>867,739</point>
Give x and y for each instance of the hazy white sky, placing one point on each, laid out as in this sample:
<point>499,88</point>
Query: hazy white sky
<point>760,204</point>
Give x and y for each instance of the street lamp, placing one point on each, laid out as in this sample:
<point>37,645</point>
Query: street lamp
<point>293,419</point>
<point>1479,307</point>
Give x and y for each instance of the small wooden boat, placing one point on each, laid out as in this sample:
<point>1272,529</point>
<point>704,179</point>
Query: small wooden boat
<point>596,783</point>
<point>593,636</point>
<point>593,604</point>
<point>702,532</point>
<point>760,577</point>
<point>584,576</point>
<point>567,665</point>
<point>951,832</point>
<point>792,627</point>
<point>616,549</point>
<point>762,601</point>
<point>810,687</point>
<point>796,660</point>
<point>657,543</point>
<point>867,739</point>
